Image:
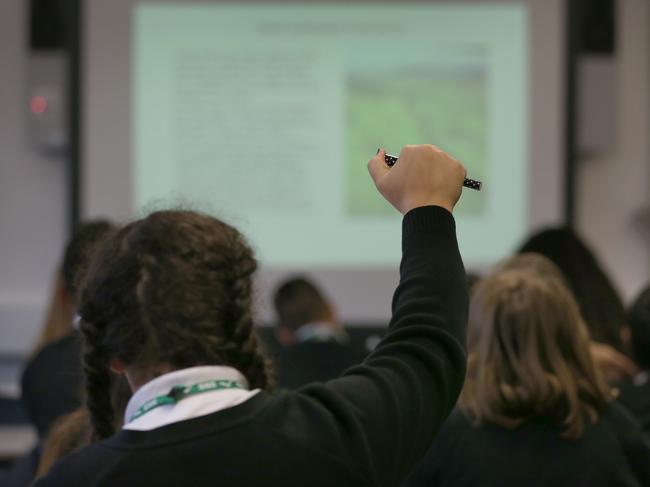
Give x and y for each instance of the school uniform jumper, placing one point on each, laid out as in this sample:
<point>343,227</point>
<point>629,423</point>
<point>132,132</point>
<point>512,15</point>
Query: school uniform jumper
<point>613,452</point>
<point>366,428</point>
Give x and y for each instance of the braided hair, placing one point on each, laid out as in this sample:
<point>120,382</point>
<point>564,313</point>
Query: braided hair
<point>174,288</point>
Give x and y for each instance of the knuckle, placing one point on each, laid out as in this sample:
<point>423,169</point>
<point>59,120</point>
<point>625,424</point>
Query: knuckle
<point>434,151</point>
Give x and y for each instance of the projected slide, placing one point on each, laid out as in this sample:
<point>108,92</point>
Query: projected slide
<point>442,96</point>
<point>267,114</point>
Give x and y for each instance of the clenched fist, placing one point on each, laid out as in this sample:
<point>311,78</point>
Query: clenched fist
<point>425,175</point>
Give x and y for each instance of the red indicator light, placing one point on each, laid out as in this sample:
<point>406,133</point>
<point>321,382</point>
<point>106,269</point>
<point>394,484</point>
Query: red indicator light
<point>38,104</point>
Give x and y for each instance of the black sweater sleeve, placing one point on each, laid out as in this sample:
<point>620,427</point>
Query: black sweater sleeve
<point>391,406</point>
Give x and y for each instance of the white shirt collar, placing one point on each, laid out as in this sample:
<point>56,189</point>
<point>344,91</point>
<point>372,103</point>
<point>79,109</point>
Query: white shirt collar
<point>189,407</point>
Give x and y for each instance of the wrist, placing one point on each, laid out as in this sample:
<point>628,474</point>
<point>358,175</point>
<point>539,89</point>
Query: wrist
<point>441,202</point>
<point>427,219</point>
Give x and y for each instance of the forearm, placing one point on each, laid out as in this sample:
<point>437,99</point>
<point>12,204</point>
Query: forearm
<point>406,388</point>
<point>432,276</point>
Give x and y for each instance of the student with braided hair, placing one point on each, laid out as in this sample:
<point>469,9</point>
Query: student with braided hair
<point>167,302</point>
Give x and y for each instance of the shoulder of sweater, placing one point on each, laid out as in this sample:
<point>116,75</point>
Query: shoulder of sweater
<point>72,469</point>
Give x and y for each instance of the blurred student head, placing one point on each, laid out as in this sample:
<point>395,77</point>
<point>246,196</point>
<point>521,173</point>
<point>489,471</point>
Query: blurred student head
<point>639,320</point>
<point>299,302</point>
<point>529,354</point>
<point>167,292</point>
<point>615,365</point>
<point>534,262</point>
<point>62,306</point>
<point>78,253</point>
<point>600,305</point>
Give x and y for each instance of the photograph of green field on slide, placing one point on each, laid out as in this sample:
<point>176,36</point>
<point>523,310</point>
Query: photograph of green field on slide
<point>412,106</point>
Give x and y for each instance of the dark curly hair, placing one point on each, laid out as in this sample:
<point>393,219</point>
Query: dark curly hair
<point>174,288</point>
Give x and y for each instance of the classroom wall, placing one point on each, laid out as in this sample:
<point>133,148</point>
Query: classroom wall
<point>32,196</point>
<point>613,185</point>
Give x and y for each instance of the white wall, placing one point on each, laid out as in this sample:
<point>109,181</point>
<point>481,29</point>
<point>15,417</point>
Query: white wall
<point>32,195</point>
<point>613,185</point>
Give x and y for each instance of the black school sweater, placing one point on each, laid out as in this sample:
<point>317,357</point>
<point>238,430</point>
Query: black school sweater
<point>366,428</point>
<point>636,398</point>
<point>613,452</point>
<point>52,382</point>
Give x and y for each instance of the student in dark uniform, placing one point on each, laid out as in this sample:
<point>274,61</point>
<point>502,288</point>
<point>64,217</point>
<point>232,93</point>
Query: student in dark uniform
<point>168,303</point>
<point>600,304</point>
<point>315,347</point>
<point>535,409</point>
<point>52,381</point>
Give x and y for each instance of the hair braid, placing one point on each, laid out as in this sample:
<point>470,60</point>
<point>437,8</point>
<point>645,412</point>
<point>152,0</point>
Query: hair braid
<point>173,290</point>
<point>98,385</point>
<point>247,354</point>
<point>106,296</point>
